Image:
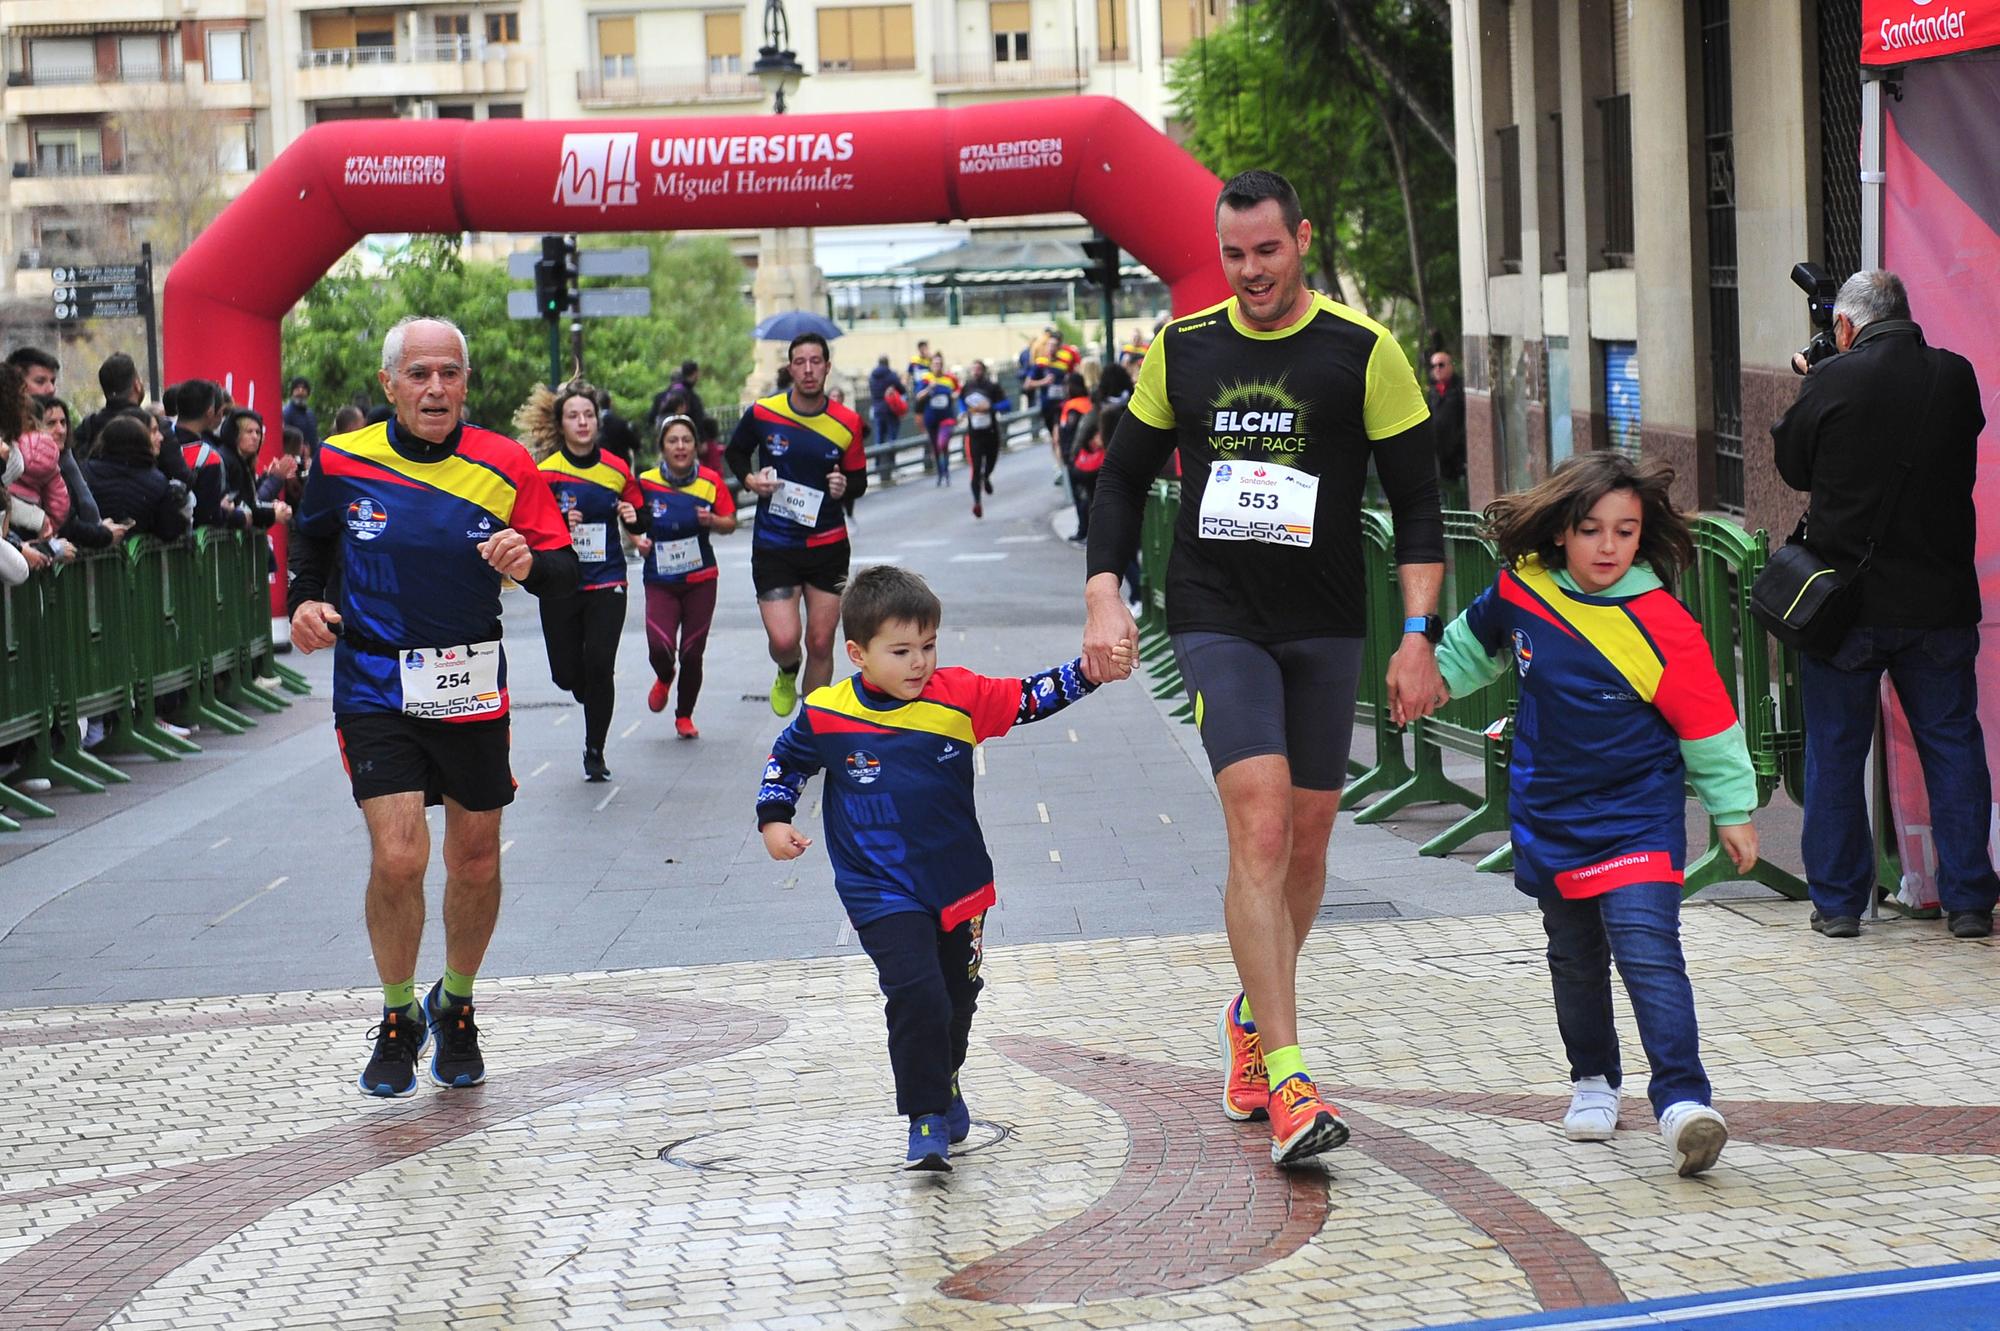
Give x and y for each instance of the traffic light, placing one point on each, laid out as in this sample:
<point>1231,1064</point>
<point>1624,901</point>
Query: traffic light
<point>555,292</point>
<point>1102,270</point>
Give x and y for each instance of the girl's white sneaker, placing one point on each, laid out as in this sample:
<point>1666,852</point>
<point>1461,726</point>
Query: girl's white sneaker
<point>1696,1134</point>
<point>1593,1111</point>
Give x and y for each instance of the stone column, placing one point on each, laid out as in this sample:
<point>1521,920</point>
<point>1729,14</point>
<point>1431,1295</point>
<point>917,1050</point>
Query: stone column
<point>787,279</point>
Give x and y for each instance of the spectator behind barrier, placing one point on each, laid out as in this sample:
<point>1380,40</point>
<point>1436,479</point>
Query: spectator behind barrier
<point>194,441</point>
<point>38,369</point>
<point>128,486</point>
<point>1884,436</point>
<point>241,438</point>
<point>86,526</point>
<point>348,419</point>
<point>299,414</point>
<point>35,485</point>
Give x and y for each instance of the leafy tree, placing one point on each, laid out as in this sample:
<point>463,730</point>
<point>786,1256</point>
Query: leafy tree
<point>1299,87</point>
<point>334,335</point>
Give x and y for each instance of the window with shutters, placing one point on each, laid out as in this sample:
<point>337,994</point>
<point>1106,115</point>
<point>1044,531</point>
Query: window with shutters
<point>141,59</point>
<point>724,33</point>
<point>1185,22</point>
<point>1010,30</point>
<point>617,48</point>
<point>1615,121</point>
<point>1114,30</point>
<point>867,38</point>
<point>53,60</point>
<point>228,55</point>
<point>503,29</point>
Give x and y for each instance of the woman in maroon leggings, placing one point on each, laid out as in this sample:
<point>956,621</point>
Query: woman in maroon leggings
<point>686,503</point>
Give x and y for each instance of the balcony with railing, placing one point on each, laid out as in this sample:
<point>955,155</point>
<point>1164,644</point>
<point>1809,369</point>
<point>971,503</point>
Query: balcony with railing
<point>979,71</point>
<point>676,86</point>
<point>432,65</point>
<point>50,87</point>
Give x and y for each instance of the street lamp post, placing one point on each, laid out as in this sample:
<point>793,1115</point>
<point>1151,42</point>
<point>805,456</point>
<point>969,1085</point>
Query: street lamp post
<point>777,66</point>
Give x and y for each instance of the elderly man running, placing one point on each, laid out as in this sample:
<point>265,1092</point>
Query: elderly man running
<point>421,517</point>
<point>1278,399</point>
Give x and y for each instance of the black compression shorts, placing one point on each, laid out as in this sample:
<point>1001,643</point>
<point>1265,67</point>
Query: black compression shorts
<point>387,753</point>
<point>1294,699</point>
<point>776,568</point>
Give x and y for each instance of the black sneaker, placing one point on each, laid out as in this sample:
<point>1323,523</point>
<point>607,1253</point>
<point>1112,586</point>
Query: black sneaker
<point>1971,924</point>
<point>393,1068</point>
<point>1836,926</point>
<point>989,485</point>
<point>593,766</point>
<point>456,1060</point>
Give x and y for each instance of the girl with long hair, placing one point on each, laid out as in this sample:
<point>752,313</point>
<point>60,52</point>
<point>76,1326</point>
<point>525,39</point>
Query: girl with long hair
<point>596,492</point>
<point>1621,708</point>
<point>685,504</point>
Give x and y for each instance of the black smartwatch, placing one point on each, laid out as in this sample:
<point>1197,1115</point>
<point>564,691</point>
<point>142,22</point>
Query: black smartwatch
<point>1429,625</point>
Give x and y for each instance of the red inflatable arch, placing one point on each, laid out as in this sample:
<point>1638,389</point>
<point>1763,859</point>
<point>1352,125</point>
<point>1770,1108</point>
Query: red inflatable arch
<point>341,181</point>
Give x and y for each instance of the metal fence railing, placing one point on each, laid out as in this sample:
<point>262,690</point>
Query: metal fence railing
<point>107,636</point>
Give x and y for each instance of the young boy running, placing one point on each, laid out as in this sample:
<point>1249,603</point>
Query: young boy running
<point>909,861</point>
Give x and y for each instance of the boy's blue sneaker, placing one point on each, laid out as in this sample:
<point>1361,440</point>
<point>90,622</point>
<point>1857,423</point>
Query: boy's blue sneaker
<point>957,1119</point>
<point>929,1149</point>
<point>455,1059</point>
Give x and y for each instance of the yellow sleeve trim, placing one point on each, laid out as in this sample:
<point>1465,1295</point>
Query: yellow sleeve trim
<point>1150,402</point>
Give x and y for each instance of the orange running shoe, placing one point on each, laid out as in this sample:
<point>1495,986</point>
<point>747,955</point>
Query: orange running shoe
<point>1302,1124</point>
<point>1246,1091</point>
<point>656,697</point>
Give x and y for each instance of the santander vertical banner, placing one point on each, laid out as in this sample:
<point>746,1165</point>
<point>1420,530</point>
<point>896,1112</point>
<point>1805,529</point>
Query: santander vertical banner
<point>1896,32</point>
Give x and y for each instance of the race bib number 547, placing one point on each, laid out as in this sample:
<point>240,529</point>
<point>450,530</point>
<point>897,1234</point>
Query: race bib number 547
<point>1256,501</point>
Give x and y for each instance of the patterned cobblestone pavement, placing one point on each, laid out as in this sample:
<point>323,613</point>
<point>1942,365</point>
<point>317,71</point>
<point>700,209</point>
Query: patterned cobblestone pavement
<point>713,1145</point>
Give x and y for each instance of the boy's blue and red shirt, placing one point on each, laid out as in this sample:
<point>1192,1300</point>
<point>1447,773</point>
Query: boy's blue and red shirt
<point>1611,690</point>
<point>408,530</point>
<point>805,450</point>
<point>902,829</point>
<point>593,486</point>
<point>673,514</point>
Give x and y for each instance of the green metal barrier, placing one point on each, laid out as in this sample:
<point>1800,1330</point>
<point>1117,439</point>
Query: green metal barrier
<point>1727,561</point>
<point>106,636</point>
<point>1479,726</point>
<point>1371,699</point>
<point>25,705</point>
<point>85,616</point>
<point>1156,543</point>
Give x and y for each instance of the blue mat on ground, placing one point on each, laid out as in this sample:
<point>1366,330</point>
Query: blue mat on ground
<point>1936,1298</point>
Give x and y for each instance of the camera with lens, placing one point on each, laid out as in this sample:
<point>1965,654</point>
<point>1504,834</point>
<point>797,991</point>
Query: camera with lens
<point>1820,293</point>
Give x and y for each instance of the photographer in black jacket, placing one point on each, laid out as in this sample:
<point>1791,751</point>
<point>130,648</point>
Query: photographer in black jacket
<point>1892,421</point>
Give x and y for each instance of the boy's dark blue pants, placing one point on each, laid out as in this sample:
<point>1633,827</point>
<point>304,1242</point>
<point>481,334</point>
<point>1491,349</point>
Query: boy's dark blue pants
<point>931,981</point>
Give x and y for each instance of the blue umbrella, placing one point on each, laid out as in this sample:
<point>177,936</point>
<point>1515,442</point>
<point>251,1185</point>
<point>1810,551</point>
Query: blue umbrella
<point>784,327</point>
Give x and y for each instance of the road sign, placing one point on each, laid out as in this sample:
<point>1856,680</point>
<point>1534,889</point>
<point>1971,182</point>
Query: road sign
<point>597,303</point>
<point>636,262</point>
<point>130,274</point>
<point>615,302</point>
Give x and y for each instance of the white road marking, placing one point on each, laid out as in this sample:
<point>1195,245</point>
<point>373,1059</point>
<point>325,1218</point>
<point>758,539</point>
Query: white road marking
<point>1759,1303</point>
<point>978,559</point>
<point>1020,540</point>
<point>1041,811</point>
<point>1072,734</point>
<point>626,733</point>
<point>252,899</point>
<point>220,844</point>
<point>1165,819</point>
<point>538,771</point>
<point>607,799</point>
<point>979,760</point>
<point>846,934</point>
<point>891,558</point>
<point>1055,857</point>
<point>506,846</point>
<point>920,545</point>
<point>563,719</point>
